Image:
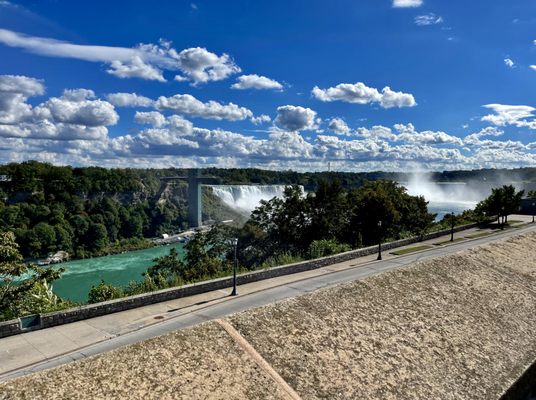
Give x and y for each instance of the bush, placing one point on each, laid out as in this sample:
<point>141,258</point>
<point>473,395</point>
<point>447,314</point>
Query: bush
<point>281,259</point>
<point>323,248</point>
<point>149,284</point>
<point>40,299</point>
<point>104,292</point>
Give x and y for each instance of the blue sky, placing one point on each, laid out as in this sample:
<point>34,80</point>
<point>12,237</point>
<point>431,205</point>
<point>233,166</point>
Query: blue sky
<point>363,85</point>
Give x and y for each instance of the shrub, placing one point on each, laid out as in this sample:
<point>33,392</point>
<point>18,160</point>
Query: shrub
<point>41,299</point>
<point>281,259</point>
<point>323,248</point>
<point>104,292</point>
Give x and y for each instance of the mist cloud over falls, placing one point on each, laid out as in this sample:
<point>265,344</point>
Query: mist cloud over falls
<point>445,197</point>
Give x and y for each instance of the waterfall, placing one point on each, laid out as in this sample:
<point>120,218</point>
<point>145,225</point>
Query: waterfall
<point>245,198</point>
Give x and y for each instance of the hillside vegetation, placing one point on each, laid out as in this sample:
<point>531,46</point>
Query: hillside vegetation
<point>92,211</point>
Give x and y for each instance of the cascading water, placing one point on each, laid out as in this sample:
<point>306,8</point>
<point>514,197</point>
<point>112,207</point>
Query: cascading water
<point>244,198</point>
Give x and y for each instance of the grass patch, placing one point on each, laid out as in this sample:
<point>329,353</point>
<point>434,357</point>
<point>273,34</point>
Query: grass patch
<point>410,250</point>
<point>521,224</point>
<point>478,235</point>
<point>448,241</point>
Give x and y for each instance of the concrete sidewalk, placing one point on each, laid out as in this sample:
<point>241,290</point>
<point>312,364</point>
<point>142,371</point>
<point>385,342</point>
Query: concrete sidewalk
<point>26,349</point>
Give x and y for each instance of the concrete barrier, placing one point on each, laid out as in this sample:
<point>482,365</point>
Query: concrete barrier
<point>13,327</point>
<point>525,386</point>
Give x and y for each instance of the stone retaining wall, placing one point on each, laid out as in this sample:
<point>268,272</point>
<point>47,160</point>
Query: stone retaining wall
<point>8,328</point>
<point>13,327</point>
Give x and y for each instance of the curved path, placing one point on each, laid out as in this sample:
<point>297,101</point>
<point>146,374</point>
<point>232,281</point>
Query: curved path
<point>160,319</point>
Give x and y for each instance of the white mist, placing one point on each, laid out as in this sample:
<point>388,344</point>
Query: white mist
<point>444,197</point>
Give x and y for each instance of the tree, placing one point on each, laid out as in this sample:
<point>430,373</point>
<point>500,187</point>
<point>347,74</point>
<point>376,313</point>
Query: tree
<point>207,255</point>
<point>502,202</point>
<point>286,221</point>
<point>103,292</point>
<point>97,237</point>
<point>18,280</point>
<point>167,265</point>
<point>373,203</point>
<point>329,211</point>
<point>64,237</point>
<point>254,245</point>
<point>44,234</point>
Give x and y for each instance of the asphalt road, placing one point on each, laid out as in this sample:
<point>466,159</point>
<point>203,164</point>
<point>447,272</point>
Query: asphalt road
<point>260,298</point>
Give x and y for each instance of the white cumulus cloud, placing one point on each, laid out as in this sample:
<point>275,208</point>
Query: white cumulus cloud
<point>200,65</point>
<point>256,82</point>
<point>89,113</point>
<point>295,118</point>
<point>407,3</point>
<point>407,133</point>
<point>76,115</point>
<point>339,126</point>
<point>519,116</point>
<point>153,118</point>
<point>135,68</point>
<point>261,119</point>
<point>129,100</point>
<point>359,93</point>
<point>187,104</point>
<point>14,92</point>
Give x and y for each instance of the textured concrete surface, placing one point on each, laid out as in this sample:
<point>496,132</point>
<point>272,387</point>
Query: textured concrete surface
<point>459,326</point>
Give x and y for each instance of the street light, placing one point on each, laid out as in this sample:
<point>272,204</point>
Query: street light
<point>452,226</point>
<point>533,204</point>
<point>235,244</point>
<point>379,240</point>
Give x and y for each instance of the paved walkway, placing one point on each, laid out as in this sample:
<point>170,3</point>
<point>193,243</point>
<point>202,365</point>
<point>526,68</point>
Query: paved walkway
<point>33,351</point>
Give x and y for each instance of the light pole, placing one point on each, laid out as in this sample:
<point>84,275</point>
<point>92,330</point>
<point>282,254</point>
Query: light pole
<point>379,240</point>
<point>502,222</point>
<point>533,204</point>
<point>235,244</point>
<point>452,226</point>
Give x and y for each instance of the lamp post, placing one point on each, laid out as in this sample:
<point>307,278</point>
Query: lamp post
<point>379,240</point>
<point>452,226</point>
<point>235,244</point>
<point>533,204</point>
<point>502,222</point>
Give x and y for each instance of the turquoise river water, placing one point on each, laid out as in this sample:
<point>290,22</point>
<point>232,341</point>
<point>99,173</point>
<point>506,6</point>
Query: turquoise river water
<point>117,269</point>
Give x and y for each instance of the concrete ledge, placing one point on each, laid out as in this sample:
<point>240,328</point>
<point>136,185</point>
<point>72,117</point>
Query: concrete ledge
<point>13,327</point>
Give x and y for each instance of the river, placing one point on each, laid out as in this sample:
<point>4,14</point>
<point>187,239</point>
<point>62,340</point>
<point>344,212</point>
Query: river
<point>117,269</point>
<point>441,208</point>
